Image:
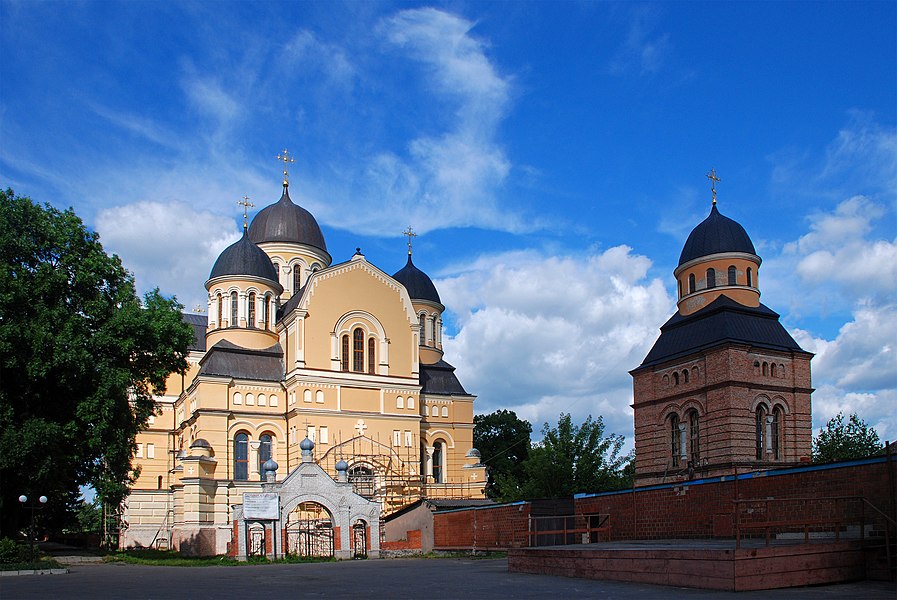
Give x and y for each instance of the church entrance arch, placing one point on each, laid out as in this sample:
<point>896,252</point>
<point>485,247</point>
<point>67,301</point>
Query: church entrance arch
<point>309,531</point>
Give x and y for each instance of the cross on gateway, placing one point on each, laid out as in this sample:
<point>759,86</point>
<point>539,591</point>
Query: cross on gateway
<point>360,426</point>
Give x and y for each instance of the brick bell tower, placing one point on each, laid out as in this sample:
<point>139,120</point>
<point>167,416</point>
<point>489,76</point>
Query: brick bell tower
<point>725,386</point>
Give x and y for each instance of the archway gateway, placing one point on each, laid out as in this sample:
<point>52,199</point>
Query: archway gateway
<point>309,513</point>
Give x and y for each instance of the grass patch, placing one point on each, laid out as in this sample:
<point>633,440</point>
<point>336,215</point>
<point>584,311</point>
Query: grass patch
<point>170,558</point>
<point>466,554</point>
<point>42,564</point>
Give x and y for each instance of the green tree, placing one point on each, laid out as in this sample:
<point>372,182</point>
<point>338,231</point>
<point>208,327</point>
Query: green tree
<point>575,459</point>
<point>503,440</point>
<point>80,359</point>
<point>843,441</point>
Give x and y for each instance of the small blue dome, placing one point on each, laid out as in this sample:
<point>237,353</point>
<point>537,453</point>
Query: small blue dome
<point>269,465</point>
<point>342,465</point>
<point>714,235</point>
<point>418,283</point>
<point>306,444</point>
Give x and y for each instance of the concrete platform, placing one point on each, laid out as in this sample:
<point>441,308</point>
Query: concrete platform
<point>708,564</point>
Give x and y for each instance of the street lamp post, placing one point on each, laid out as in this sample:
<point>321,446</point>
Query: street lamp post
<point>43,500</point>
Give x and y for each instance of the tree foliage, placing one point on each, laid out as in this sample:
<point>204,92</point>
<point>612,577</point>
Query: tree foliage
<point>844,441</point>
<point>80,359</point>
<point>503,440</point>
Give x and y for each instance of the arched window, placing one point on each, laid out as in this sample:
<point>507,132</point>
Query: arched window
<point>400,402</point>
<point>772,370</point>
<point>775,424</point>
<point>372,359</point>
<point>220,308</point>
<point>345,355</point>
<point>760,435</point>
<point>358,350</point>
<point>675,378</point>
<point>691,283</point>
<point>675,439</point>
<point>233,309</point>
<point>766,368</point>
<point>159,485</point>
<point>423,330</point>
<point>732,276</point>
<point>241,457</point>
<point>251,311</point>
<point>266,311</point>
<point>750,277</point>
<point>694,436</point>
<point>264,452</point>
<point>679,282</point>
<point>445,411</point>
<point>362,479</point>
<point>297,278</point>
<point>438,472</point>
<point>711,278</point>
<point>685,376</point>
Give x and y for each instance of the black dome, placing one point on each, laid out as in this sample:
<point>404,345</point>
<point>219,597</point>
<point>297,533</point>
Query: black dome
<point>244,258</point>
<point>419,286</point>
<point>713,235</point>
<point>284,221</point>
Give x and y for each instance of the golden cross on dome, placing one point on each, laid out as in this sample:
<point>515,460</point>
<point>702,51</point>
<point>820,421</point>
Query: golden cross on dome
<point>246,204</point>
<point>287,160</point>
<point>713,181</point>
<point>409,233</point>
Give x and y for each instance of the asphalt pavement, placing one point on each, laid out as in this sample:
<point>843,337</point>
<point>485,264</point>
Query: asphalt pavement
<point>430,579</point>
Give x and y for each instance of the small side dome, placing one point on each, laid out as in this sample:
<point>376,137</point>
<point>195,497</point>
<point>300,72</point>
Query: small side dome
<point>714,235</point>
<point>244,258</point>
<point>200,443</point>
<point>342,465</point>
<point>418,284</point>
<point>473,453</point>
<point>270,466</point>
<point>306,444</point>
<point>284,221</point>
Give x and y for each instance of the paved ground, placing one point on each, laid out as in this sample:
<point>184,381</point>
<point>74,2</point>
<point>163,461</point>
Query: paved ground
<point>394,579</point>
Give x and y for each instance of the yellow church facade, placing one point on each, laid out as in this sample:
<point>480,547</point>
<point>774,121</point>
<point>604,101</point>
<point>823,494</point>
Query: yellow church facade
<point>294,346</point>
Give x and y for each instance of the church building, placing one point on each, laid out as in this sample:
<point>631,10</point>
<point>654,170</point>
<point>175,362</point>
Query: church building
<point>299,360</point>
<point>725,387</point>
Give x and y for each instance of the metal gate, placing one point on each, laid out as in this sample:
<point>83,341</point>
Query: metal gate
<point>310,531</point>
<point>360,540</point>
<point>257,540</point>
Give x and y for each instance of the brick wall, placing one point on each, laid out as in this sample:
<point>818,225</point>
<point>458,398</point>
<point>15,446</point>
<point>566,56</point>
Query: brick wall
<point>698,509</point>
<point>490,528</point>
<point>412,542</point>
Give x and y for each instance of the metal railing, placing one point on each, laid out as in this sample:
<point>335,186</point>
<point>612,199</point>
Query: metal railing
<point>559,530</point>
<point>826,516</point>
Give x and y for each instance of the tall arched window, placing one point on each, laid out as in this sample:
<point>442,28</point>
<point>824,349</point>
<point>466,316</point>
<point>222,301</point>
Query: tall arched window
<point>711,278</point>
<point>775,426</point>
<point>297,278</point>
<point>241,457</point>
<point>766,368</point>
<point>694,436</point>
<point>220,308</point>
<point>675,439</point>
<point>345,355</point>
<point>371,356</point>
<point>679,282</point>
<point>251,306</point>
<point>685,376</point>
<point>732,276</point>
<point>423,330</point>
<point>750,277</point>
<point>266,311</point>
<point>760,434</point>
<point>358,350</point>
<point>676,378</point>
<point>438,473</point>
<point>772,370</point>
<point>234,306</point>
<point>264,452</point>
<point>691,283</point>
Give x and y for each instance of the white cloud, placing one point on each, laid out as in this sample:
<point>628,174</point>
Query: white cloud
<point>548,334</point>
<point>167,244</point>
<point>643,51</point>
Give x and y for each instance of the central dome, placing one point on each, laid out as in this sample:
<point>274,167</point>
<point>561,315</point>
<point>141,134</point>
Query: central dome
<point>714,235</point>
<point>284,221</point>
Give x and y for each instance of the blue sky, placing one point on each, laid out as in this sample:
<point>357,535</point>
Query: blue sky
<point>552,156</point>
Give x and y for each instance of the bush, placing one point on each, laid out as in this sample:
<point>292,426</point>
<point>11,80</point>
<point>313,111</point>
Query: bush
<point>11,552</point>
